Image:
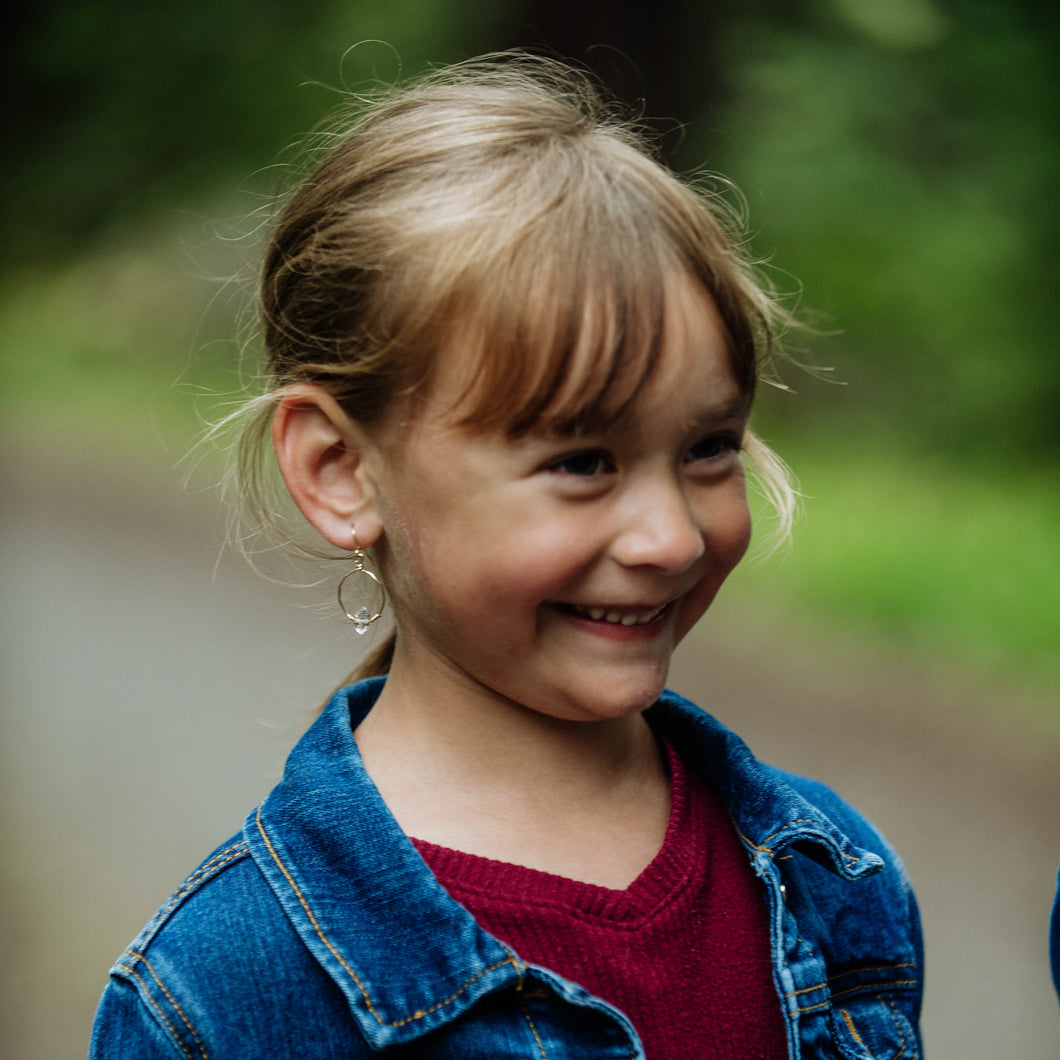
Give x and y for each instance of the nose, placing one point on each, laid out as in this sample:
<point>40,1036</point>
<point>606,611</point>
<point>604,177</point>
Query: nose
<point>659,528</point>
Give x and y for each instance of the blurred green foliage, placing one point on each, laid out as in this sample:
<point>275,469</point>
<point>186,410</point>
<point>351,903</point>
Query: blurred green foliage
<point>899,158</point>
<point>908,174</point>
<point>125,109</point>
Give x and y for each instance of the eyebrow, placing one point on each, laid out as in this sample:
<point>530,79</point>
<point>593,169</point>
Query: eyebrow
<point>738,407</point>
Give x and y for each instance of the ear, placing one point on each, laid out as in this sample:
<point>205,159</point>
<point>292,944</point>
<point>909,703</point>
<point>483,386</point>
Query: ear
<point>324,457</point>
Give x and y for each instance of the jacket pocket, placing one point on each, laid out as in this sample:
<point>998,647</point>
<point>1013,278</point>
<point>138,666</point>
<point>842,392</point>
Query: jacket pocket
<point>873,1027</point>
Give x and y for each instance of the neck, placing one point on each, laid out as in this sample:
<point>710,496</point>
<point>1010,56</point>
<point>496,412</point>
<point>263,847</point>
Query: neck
<point>468,769</point>
<point>473,737</point>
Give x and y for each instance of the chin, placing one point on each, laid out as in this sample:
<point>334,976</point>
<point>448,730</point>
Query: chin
<point>619,699</point>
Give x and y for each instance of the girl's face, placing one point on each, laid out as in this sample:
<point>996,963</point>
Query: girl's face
<point>559,573</point>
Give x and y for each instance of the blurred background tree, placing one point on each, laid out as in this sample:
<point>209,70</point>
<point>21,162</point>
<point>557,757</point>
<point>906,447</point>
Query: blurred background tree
<point>899,159</point>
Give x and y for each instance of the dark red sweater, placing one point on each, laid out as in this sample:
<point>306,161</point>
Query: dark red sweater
<point>683,951</point>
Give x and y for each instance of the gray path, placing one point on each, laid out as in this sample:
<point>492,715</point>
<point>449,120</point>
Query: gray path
<point>149,703</point>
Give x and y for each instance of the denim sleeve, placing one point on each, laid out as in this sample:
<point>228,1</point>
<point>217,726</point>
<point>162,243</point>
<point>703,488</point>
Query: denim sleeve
<point>1054,938</point>
<point>875,917</point>
<point>125,1028</point>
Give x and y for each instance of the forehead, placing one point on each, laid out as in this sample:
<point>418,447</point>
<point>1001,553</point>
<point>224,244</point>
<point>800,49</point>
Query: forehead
<point>694,369</point>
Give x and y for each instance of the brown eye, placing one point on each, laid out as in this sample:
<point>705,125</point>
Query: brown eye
<point>713,446</point>
<point>586,464</point>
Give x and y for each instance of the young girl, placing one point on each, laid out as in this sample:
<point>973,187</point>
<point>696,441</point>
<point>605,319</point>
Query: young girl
<point>514,357</point>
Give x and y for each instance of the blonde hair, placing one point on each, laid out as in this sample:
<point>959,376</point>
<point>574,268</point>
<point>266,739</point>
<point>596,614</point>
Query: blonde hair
<point>506,201</point>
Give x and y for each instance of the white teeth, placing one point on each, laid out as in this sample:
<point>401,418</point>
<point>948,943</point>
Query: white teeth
<point>598,614</point>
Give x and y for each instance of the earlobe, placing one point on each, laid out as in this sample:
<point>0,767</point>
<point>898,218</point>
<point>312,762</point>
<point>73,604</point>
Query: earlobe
<point>321,453</point>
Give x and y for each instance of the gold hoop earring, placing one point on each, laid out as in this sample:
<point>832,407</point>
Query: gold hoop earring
<point>362,618</point>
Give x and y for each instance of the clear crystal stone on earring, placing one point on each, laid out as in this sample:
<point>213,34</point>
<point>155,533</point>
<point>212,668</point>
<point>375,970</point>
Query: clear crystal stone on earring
<point>362,618</point>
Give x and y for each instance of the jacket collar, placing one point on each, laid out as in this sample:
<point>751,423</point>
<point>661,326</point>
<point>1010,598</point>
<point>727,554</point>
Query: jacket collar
<point>407,957</point>
<point>768,813</point>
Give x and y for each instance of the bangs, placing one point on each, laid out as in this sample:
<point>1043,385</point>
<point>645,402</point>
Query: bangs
<point>567,356</point>
<point>555,320</point>
<point>535,284</point>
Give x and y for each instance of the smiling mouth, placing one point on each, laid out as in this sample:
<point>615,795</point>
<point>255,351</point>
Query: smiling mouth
<point>617,617</point>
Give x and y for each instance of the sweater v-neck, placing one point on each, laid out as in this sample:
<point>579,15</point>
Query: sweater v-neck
<point>681,855</point>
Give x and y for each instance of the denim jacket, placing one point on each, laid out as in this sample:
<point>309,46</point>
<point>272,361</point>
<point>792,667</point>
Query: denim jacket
<point>1054,938</point>
<point>318,931</point>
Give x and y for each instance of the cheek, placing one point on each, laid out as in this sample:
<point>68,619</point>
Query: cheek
<point>731,534</point>
<point>527,573</point>
<point>725,519</point>
<point>727,534</point>
<point>526,550</point>
<point>473,566</point>
<point>416,565</point>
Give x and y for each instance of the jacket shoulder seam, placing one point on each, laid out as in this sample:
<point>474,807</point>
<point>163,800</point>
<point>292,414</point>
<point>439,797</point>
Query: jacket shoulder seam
<point>206,871</point>
<point>128,971</point>
<point>210,868</point>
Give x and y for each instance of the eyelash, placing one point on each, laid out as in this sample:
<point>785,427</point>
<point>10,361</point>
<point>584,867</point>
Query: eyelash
<point>590,462</point>
<point>724,441</point>
<point>601,461</point>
